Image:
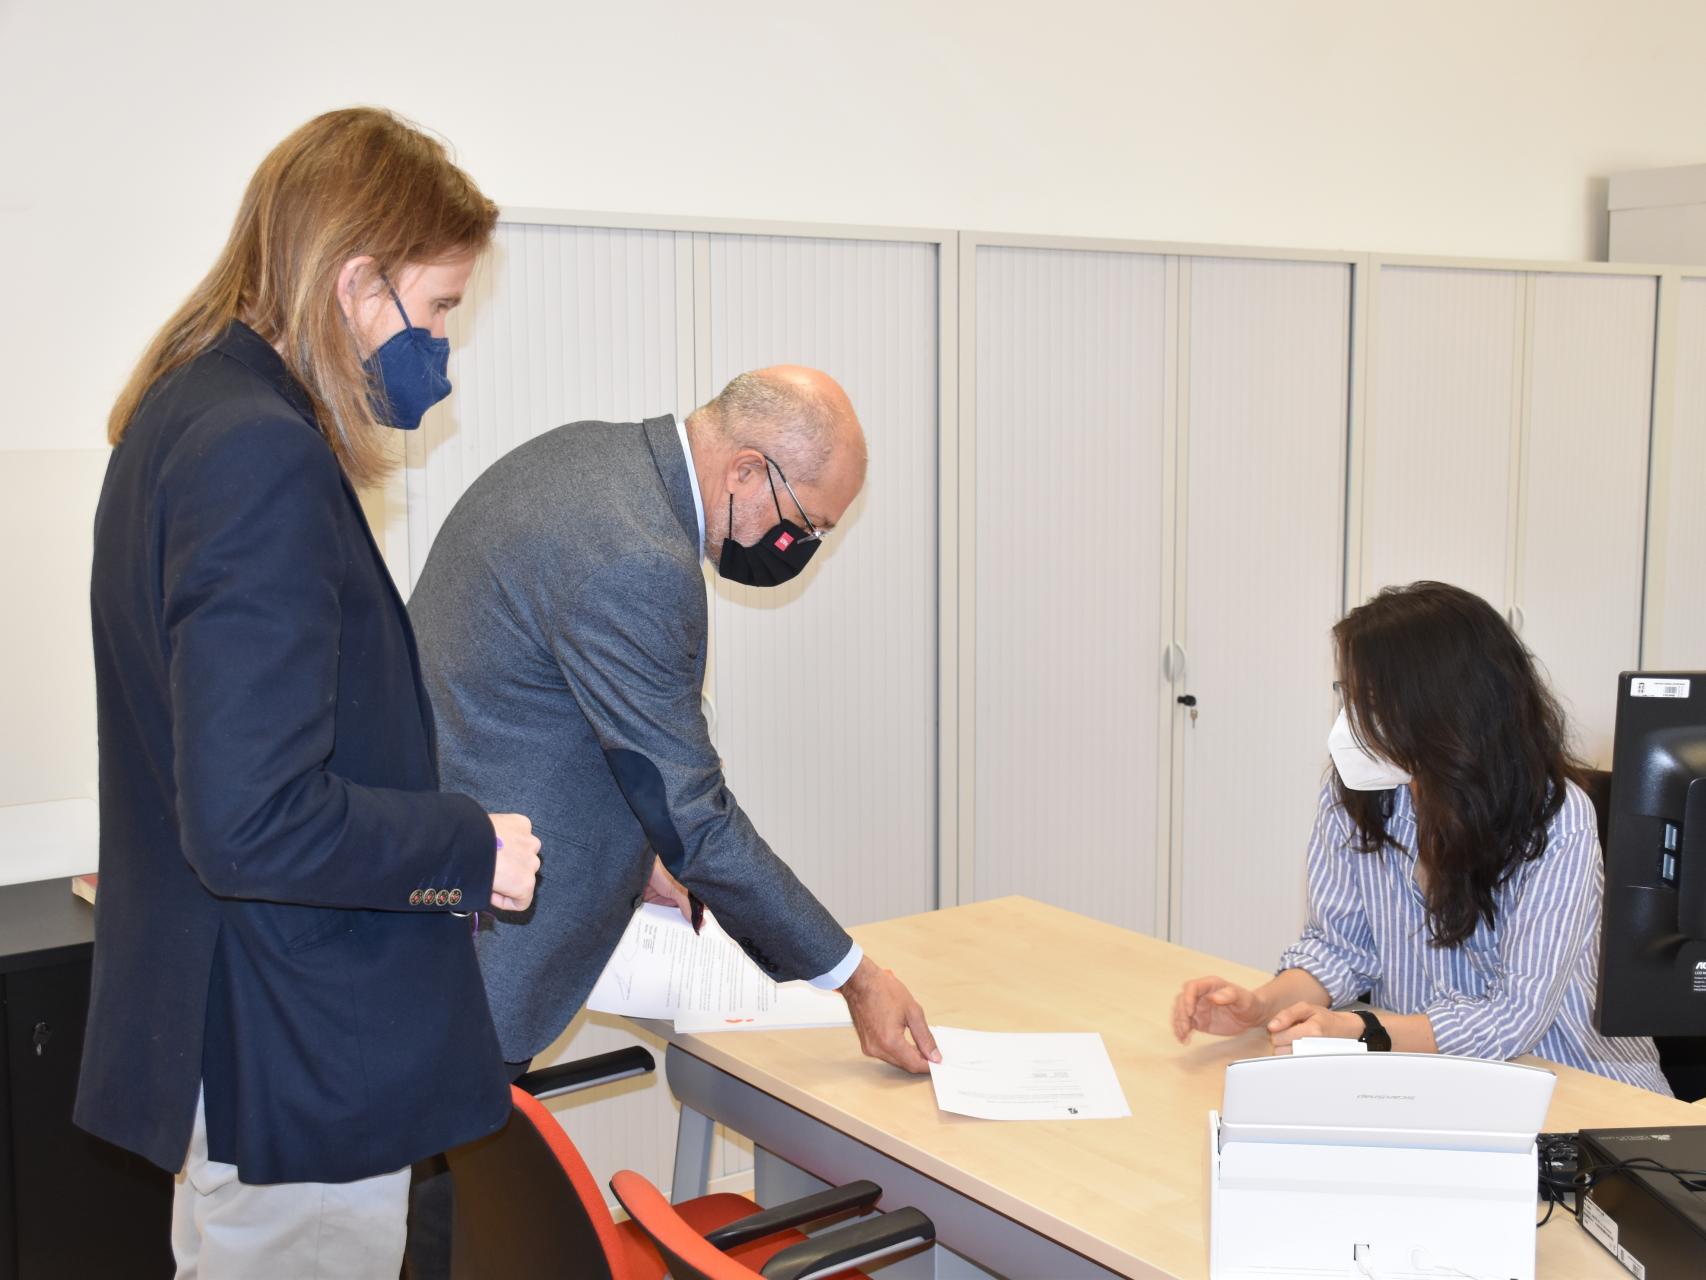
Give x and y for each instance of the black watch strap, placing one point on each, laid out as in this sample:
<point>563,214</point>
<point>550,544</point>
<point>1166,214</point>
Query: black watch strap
<point>1375,1036</point>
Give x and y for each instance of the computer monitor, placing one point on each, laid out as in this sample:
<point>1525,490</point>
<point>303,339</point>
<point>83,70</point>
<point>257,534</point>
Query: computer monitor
<point>1652,978</point>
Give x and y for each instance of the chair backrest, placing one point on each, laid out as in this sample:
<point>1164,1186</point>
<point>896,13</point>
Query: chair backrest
<point>524,1196</point>
<point>685,1252</point>
<point>1597,783</point>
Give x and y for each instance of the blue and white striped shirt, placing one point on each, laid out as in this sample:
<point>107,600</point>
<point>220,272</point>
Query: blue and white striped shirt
<point>1524,986</point>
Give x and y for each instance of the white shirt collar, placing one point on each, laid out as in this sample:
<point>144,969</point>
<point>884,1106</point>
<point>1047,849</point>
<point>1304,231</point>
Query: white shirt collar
<point>692,480</point>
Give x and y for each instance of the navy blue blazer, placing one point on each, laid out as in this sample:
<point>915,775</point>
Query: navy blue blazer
<point>278,867</point>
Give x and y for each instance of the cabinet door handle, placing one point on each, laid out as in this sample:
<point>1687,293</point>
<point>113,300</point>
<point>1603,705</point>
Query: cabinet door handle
<point>1173,662</point>
<point>1514,616</point>
<point>40,1036</point>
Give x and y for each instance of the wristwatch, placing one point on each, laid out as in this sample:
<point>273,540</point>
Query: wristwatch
<point>1375,1036</point>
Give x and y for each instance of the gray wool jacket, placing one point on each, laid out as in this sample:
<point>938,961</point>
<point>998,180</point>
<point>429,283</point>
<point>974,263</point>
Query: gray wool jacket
<point>561,618</point>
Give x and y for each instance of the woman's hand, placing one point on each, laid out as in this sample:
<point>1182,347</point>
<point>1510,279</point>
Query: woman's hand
<point>1305,1019</point>
<point>1216,1006</point>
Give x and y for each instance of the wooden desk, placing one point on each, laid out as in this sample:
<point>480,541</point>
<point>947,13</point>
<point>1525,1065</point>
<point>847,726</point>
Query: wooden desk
<point>1042,1199</point>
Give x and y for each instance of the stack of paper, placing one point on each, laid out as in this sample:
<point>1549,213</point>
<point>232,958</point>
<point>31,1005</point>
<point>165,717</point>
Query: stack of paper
<point>703,981</point>
<point>1319,1046</point>
<point>1009,1076</point>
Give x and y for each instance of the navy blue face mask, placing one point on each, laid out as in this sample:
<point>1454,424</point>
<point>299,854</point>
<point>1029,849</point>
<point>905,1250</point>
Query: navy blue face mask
<point>411,373</point>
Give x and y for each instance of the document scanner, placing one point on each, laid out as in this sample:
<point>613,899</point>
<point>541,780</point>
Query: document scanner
<point>1383,1166</point>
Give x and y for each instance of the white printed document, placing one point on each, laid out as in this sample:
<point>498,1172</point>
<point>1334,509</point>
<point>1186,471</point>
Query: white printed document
<point>703,981</point>
<point>996,1075</point>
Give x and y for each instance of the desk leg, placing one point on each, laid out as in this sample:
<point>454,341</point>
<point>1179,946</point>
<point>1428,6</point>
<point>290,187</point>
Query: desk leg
<point>775,1181</point>
<point>692,1155</point>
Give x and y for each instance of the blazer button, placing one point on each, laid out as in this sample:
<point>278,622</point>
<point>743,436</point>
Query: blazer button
<point>635,904</point>
<point>415,898</point>
<point>455,897</point>
<point>442,898</point>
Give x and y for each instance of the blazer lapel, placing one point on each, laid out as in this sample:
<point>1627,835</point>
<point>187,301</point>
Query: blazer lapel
<point>671,462</point>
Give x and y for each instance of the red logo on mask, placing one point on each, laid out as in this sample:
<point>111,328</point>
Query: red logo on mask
<point>783,542</point>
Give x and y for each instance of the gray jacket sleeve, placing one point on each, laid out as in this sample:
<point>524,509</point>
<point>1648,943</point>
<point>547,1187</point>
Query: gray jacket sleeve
<point>628,647</point>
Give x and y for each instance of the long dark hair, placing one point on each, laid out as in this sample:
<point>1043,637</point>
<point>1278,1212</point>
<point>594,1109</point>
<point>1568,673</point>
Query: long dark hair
<point>1434,680</point>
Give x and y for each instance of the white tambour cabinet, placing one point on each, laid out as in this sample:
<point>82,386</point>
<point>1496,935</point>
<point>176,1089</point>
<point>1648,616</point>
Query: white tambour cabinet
<point>1676,542</point>
<point>825,688</point>
<point>1439,435</point>
<point>1505,450</point>
<point>1073,484</point>
<point>1159,446</point>
<point>1582,541</point>
<point>1264,423</point>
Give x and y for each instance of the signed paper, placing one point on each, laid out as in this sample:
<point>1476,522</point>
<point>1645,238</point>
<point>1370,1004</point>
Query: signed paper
<point>1015,1076</point>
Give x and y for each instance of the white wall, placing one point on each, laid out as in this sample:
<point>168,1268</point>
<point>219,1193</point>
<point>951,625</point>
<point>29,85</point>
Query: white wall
<point>47,680</point>
<point>128,131</point>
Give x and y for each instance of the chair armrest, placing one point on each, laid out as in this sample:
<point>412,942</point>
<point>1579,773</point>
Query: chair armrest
<point>584,1073</point>
<point>851,1246</point>
<point>855,1196</point>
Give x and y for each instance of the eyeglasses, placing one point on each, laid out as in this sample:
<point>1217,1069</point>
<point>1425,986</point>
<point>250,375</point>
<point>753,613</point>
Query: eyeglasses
<point>813,533</point>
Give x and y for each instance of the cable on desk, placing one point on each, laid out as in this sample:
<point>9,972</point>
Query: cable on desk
<point>1558,1153</point>
<point>1643,1164</point>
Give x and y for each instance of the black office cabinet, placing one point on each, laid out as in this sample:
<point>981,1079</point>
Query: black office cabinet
<point>71,1207</point>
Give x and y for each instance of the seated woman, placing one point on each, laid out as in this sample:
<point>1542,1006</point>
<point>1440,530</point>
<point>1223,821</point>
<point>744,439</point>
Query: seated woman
<point>1455,870</point>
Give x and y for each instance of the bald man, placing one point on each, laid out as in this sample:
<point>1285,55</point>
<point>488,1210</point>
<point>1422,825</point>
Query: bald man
<point>561,618</point>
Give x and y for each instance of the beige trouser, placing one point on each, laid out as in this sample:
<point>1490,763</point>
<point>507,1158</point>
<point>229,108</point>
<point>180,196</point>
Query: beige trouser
<point>223,1229</point>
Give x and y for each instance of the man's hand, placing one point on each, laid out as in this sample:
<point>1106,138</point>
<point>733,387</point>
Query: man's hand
<point>665,890</point>
<point>1305,1019</point>
<point>1216,1006</point>
<point>883,1013</point>
<point>517,867</point>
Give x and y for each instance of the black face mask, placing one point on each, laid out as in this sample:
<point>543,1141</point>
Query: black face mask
<point>780,554</point>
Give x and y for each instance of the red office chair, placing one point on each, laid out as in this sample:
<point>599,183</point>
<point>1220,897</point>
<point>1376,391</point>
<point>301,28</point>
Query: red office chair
<point>527,1205</point>
<point>728,1254</point>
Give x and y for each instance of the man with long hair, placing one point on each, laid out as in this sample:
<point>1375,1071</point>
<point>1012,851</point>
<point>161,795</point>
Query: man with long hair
<point>286,1005</point>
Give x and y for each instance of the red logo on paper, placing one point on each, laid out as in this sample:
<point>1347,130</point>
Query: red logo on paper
<point>785,541</point>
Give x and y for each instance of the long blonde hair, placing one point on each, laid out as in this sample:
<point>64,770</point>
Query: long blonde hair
<point>346,184</point>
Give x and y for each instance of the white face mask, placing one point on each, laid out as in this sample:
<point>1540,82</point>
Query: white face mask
<point>1359,768</point>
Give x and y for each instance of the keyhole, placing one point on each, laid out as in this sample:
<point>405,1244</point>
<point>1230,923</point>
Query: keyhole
<point>1189,700</point>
